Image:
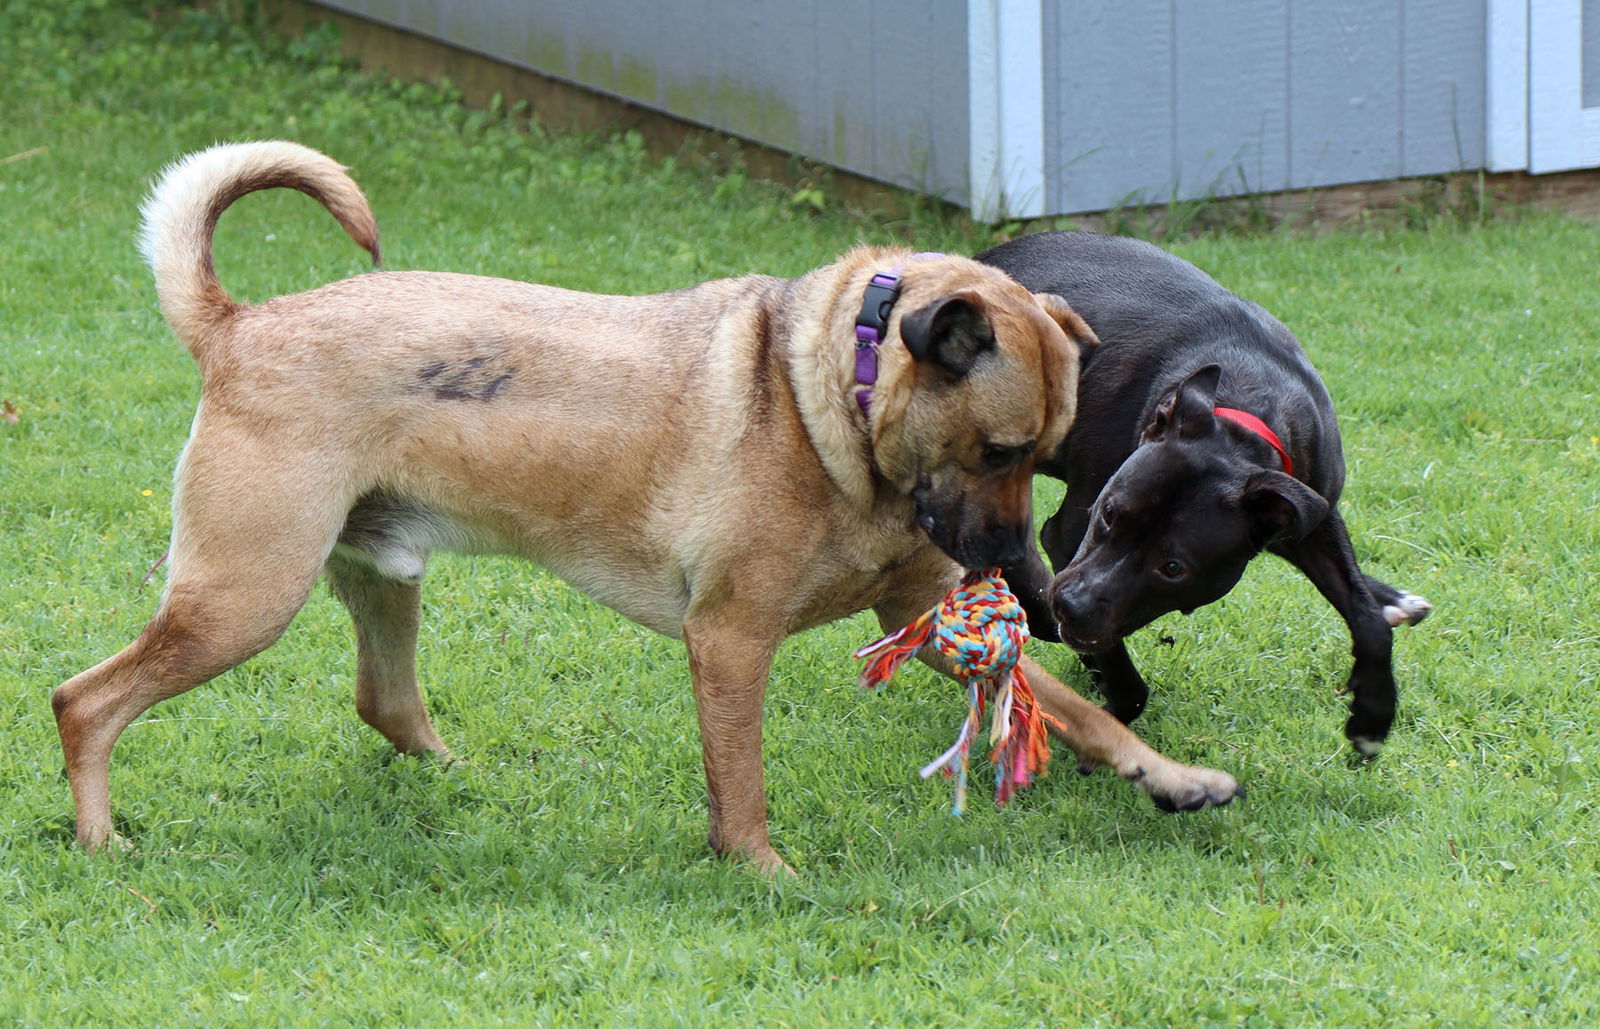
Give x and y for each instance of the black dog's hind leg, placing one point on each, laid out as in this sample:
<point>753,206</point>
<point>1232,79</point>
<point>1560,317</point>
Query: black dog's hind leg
<point>1328,560</point>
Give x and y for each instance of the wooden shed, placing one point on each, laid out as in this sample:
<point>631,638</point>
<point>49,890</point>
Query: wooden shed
<point>1022,108</point>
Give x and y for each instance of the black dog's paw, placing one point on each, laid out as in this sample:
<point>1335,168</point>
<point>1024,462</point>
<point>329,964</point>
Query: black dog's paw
<point>1368,725</point>
<point>1406,609</point>
<point>1366,736</point>
<point>1124,713</point>
<point>1367,749</point>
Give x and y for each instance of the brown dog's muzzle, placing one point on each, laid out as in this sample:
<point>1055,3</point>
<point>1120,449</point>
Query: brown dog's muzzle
<point>976,527</point>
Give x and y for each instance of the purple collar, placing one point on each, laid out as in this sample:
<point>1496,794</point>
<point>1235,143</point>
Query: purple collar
<point>873,323</point>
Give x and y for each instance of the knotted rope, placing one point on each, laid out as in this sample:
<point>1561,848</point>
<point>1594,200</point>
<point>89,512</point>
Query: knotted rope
<point>981,628</point>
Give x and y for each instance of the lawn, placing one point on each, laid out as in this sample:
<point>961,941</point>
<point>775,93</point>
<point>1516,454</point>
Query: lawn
<point>288,869</point>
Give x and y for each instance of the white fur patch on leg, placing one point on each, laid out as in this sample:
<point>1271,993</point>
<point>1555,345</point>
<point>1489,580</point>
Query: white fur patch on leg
<point>400,562</point>
<point>1368,748</point>
<point>1408,609</point>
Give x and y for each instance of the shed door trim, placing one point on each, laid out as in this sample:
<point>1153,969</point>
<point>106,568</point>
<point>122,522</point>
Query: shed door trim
<point>1005,90</point>
<point>1562,132</point>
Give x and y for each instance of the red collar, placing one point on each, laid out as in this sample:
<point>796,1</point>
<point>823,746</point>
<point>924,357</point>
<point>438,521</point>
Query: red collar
<point>1246,420</point>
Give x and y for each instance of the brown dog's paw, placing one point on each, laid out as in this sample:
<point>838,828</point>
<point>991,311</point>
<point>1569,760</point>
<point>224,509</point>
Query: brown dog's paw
<point>758,856</point>
<point>1187,787</point>
<point>767,863</point>
<point>108,843</point>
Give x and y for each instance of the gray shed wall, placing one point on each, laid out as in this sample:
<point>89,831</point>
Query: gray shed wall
<point>1143,100</point>
<point>1155,99</point>
<point>876,87</point>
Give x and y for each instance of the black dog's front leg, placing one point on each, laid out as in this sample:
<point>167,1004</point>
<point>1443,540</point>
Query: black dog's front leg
<point>1030,581</point>
<point>1328,560</point>
<point>1118,681</point>
<point>1111,670</point>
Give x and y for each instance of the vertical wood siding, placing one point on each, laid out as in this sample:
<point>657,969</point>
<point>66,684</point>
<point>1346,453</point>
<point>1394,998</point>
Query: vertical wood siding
<point>877,87</point>
<point>1143,100</point>
<point>1150,100</point>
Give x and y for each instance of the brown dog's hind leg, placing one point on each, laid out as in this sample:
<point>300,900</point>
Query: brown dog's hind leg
<point>201,630</point>
<point>249,542</point>
<point>384,612</point>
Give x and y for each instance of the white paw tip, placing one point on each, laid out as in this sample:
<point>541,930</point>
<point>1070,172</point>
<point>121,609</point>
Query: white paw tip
<point>1368,748</point>
<point>1408,609</point>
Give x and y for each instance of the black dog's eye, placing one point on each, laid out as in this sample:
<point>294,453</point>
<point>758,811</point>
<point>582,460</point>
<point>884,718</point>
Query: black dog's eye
<point>1172,569</point>
<point>996,457</point>
<point>1108,515</point>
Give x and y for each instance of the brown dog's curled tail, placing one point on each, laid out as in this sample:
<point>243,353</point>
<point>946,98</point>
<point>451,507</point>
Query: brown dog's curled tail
<point>181,215</point>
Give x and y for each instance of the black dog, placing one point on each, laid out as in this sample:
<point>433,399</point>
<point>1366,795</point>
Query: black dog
<point>1203,437</point>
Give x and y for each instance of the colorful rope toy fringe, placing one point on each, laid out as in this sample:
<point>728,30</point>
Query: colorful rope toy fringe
<point>980,627</point>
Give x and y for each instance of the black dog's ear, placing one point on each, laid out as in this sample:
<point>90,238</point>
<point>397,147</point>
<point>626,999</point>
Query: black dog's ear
<point>1280,507</point>
<point>1190,411</point>
<point>951,332</point>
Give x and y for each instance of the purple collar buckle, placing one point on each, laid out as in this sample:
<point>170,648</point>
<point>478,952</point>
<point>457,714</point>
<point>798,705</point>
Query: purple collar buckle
<point>871,324</point>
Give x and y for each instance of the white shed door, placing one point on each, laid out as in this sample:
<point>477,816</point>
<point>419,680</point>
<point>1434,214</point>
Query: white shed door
<point>1563,84</point>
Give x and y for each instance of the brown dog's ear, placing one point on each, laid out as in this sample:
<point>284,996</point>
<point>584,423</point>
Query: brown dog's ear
<point>951,332</point>
<point>1070,321</point>
<point>1077,330</point>
<point>1190,411</point>
<point>1280,507</point>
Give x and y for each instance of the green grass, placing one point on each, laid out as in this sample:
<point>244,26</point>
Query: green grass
<point>289,869</point>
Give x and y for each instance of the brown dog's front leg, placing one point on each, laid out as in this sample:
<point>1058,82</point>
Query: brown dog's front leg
<point>1099,739</point>
<point>729,666</point>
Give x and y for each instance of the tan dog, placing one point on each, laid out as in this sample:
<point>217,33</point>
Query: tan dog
<point>696,460</point>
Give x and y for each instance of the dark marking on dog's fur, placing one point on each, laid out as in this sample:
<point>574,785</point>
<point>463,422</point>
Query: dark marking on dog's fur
<point>475,379</point>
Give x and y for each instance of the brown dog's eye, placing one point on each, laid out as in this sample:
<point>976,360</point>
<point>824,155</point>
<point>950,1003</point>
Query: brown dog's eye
<point>997,458</point>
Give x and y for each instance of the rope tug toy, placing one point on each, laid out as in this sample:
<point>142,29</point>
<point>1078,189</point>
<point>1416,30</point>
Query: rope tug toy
<point>980,627</point>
